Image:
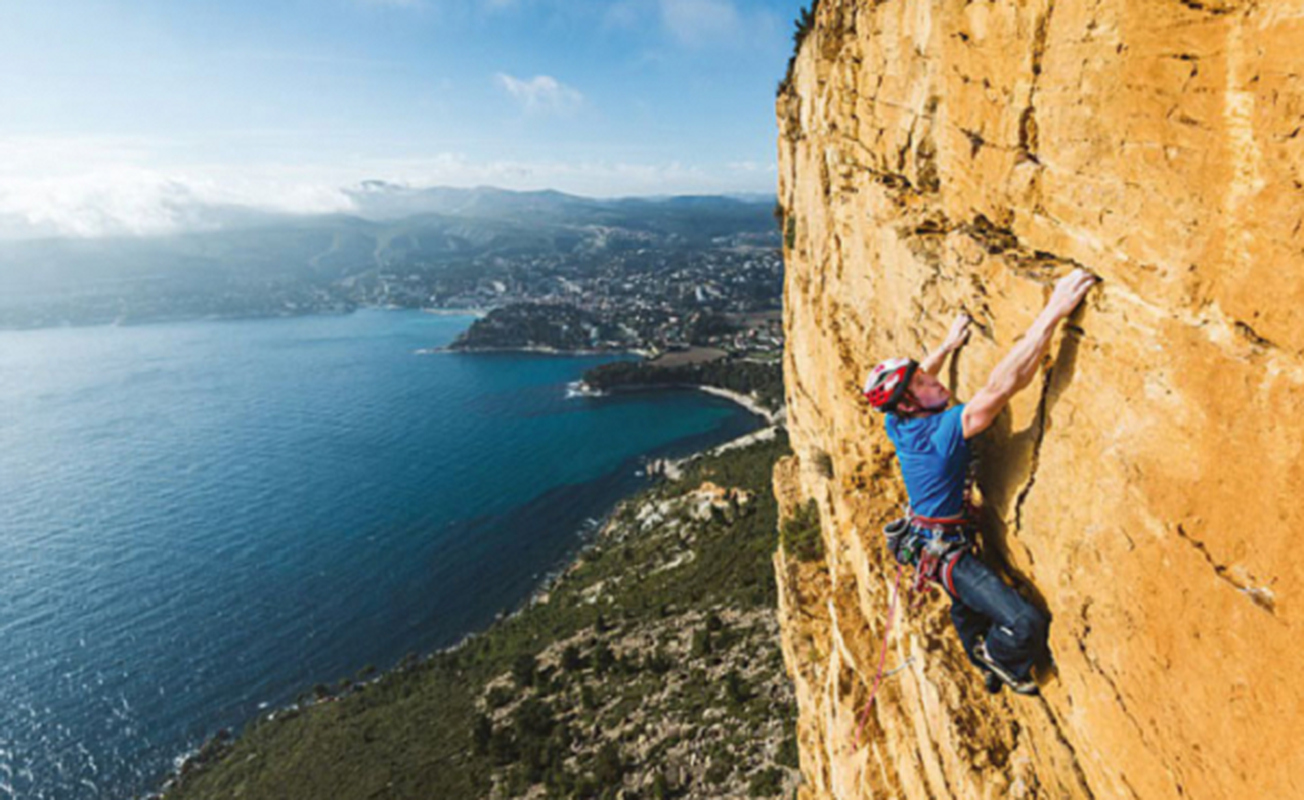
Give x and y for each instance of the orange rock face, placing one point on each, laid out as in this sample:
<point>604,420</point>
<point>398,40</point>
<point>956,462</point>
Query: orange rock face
<point>1147,490</point>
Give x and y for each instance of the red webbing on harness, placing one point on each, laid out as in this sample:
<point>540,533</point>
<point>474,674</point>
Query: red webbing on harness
<point>958,520</point>
<point>947,569</point>
<point>882,655</point>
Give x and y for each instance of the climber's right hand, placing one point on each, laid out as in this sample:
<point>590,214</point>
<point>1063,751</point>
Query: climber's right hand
<point>1069,291</point>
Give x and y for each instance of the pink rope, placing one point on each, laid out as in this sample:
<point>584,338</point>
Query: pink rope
<point>882,656</point>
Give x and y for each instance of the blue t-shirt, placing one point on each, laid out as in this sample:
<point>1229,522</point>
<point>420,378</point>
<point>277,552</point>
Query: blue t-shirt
<point>934,459</point>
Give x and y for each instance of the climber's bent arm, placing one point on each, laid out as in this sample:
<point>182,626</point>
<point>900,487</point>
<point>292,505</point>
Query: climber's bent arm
<point>1017,368</point>
<point>958,335</point>
<point>934,360</point>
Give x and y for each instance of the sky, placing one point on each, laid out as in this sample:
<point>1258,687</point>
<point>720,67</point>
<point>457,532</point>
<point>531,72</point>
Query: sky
<point>116,117</point>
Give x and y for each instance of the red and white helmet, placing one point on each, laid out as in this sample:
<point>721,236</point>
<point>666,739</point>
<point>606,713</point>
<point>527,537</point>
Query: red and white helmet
<point>888,381</point>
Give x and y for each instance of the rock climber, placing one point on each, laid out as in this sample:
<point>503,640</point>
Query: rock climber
<point>1003,634</point>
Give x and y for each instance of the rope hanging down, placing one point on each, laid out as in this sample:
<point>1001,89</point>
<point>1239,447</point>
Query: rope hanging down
<point>882,655</point>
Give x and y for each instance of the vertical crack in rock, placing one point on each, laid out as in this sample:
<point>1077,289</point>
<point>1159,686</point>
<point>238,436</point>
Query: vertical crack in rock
<point>1064,742</point>
<point>1028,119</point>
<point>1261,596</point>
<point>1122,704</point>
<point>1038,437</point>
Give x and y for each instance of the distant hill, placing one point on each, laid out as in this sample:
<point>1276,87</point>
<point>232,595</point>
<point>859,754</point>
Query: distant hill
<point>394,226</point>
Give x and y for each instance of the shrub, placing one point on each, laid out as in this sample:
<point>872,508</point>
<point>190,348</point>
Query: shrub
<point>735,690</point>
<point>659,662</point>
<point>609,770</point>
<point>702,645</point>
<point>766,783</point>
<point>481,734</point>
<point>571,660</point>
<point>499,696</point>
<point>661,787</point>
<point>718,772</point>
<point>787,755</point>
<point>804,22</point>
<point>603,659</point>
<point>524,669</point>
<point>534,719</point>
<point>800,534</point>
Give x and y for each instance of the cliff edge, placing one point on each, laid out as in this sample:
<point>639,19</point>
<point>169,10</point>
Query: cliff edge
<point>945,156</point>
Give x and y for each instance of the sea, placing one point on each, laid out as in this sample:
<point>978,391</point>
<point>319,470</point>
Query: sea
<point>201,520</point>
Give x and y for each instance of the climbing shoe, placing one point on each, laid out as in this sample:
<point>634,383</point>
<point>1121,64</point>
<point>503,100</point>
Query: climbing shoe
<point>1027,686</point>
<point>992,682</point>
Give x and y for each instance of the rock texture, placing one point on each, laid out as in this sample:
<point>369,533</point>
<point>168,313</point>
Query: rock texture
<point>1146,491</point>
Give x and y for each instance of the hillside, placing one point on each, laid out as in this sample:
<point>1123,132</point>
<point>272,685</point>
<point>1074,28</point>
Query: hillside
<point>417,248</point>
<point>652,666</point>
<point>939,157</point>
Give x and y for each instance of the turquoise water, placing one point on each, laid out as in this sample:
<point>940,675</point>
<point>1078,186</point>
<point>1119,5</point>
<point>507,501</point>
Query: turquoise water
<point>199,520</point>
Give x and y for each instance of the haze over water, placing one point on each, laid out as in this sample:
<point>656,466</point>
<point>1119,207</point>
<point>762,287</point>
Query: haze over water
<point>199,520</point>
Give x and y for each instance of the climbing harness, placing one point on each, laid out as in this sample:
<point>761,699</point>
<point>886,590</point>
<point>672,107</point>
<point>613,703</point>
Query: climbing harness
<point>934,546</point>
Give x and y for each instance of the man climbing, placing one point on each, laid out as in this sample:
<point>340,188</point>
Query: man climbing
<point>1003,634</point>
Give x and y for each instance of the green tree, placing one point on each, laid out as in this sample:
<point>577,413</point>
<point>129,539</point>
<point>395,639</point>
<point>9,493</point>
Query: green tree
<point>524,669</point>
<point>603,659</point>
<point>609,769</point>
<point>481,734</point>
<point>800,534</point>
<point>702,644</point>
<point>735,690</point>
<point>571,660</point>
<point>661,787</point>
<point>499,696</point>
<point>766,783</point>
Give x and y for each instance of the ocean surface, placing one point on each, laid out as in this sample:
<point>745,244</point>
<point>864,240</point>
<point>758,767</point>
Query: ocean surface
<point>201,520</point>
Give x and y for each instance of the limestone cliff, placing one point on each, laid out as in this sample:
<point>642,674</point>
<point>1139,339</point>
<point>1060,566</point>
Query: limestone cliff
<point>948,155</point>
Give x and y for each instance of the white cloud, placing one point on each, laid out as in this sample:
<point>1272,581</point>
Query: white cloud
<point>752,166</point>
<point>115,187</point>
<point>541,93</point>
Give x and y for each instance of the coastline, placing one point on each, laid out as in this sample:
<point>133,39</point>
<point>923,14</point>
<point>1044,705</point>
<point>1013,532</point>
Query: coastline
<point>541,349</point>
<point>479,666</point>
<point>553,577</point>
<point>772,417</point>
<point>746,401</point>
<point>478,313</point>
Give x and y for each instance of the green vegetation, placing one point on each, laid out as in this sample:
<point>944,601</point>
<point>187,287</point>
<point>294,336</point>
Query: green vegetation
<point>745,377</point>
<point>804,22</point>
<point>564,694</point>
<point>800,534</point>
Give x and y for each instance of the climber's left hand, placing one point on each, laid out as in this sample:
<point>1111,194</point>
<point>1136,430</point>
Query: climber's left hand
<point>959,333</point>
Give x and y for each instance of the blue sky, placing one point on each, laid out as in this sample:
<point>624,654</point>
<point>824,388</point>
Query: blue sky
<point>116,112</point>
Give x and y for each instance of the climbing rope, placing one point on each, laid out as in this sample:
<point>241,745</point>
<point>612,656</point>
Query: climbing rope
<point>882,655</point>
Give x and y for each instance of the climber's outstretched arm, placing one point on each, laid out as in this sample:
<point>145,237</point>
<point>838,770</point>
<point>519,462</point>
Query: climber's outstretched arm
<point>1017,369</point>
<point>958,335</point>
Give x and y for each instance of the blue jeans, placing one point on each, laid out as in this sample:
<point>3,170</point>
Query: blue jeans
<point>984,606</point>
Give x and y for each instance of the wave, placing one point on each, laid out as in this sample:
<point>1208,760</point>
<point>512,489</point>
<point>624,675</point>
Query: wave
<point>579,388</point>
